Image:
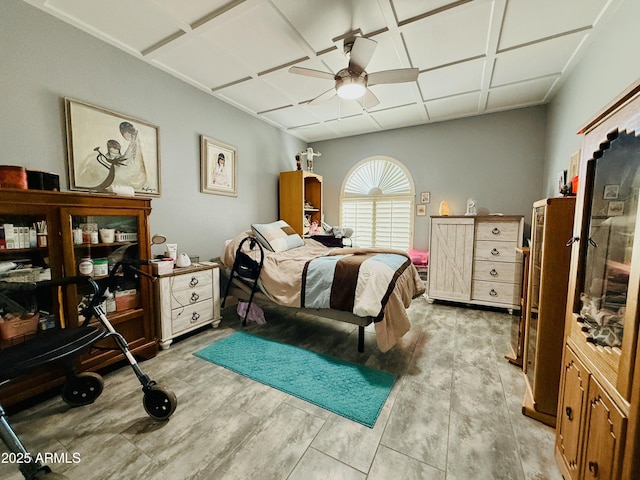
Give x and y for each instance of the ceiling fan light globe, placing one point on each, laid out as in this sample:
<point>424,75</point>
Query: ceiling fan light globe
<point>351,88</point>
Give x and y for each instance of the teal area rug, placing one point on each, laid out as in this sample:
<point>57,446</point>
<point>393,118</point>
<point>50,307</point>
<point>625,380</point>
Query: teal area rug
<point>353,391</point>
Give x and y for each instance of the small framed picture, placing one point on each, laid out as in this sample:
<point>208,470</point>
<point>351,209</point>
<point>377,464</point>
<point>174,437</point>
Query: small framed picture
<point>421,210</point>
<point>611,192</point>
<point>219,167</point>
<point>615,209</point>
<point>425,197</point>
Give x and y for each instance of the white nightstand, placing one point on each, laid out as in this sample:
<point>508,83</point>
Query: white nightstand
<point>186,299</point>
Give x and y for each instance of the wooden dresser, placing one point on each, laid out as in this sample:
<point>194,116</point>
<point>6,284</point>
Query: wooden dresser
<point>473,260</point>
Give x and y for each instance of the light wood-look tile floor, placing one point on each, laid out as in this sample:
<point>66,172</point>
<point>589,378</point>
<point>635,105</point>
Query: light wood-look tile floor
<point>453,414</point>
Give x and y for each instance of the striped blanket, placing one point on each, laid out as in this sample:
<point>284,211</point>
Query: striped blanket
<point>360,284</point>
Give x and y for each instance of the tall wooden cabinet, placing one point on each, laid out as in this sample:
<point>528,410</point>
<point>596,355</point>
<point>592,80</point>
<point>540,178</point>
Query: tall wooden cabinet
<point>551,228</point>
<point>598,425</point>
<point>300,195</point>
<point>59,254</point>
<point>473,259</point>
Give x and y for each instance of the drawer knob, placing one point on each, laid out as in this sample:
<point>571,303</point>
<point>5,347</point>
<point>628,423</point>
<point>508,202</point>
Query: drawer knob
<point>495,252</point>
<point>593,468</point>
<point>194,297</point>
<point>194,317</point>
<point>495,231</point>
<point>493,272</point>
<point>493,293</point>
<point>193,282</point>
<point>569,412</point>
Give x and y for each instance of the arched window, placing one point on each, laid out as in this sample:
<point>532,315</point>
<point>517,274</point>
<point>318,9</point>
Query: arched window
<point>377,201</point>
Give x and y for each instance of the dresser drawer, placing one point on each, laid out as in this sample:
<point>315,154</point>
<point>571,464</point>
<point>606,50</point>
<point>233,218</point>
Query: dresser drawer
<point>188,296</point>
<point>500,231</point>
<point>493,251</point>
<point>502,272</point>
<point>191,280</point>
<point>495,292</point>
<point>191,315</point>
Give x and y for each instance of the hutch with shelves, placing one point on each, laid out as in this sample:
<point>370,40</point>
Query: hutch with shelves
<point>300,199</point>
<point>551,227</point>
<point>62,211</point>
<point>598,424</point>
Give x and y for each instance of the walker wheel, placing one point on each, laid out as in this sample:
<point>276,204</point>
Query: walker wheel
<point>159,403</point>
<point>82,389</point>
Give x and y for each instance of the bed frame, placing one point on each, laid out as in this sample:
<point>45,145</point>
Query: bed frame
<point>242,291</point>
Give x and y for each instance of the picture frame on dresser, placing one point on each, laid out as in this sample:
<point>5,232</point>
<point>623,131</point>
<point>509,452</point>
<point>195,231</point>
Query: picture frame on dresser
<point>106,148</point>
<point>218,167</point>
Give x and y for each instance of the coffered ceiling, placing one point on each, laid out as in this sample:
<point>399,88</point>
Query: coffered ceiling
<point>474,56</point>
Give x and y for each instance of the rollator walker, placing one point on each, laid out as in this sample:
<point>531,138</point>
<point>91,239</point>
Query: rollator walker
<point>61,346</point>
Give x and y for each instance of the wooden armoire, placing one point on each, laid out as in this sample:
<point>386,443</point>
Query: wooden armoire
<point>598,424</point>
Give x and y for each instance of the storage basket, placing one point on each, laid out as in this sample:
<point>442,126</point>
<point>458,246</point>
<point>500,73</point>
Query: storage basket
<point>126,237</point>
<point>18,327</point>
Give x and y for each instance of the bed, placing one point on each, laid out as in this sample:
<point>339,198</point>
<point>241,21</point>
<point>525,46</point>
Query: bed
<point>353,285</point>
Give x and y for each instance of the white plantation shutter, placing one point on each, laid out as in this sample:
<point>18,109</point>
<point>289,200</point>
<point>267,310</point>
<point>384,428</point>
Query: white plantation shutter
<point>377,202</point>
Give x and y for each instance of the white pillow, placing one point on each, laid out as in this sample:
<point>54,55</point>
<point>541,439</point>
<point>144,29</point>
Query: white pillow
<point>277,236</point>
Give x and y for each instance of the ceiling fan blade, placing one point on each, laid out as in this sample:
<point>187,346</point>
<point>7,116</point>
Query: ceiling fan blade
<point>323,97</point>
<point>312,73</point>
<point>400,75</point>
<point>361,53</point>
<point>369,100</point>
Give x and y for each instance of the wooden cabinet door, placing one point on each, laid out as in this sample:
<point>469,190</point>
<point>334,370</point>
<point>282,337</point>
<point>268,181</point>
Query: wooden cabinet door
<point>575,382</point>
<point>451,258</point>
<point>605,430</point>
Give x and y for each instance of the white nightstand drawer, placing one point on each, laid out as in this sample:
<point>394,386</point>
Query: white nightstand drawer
<point>507,293</point>
<point>191,316</point>
<point>497,272</point>
<point>191,280</point>
<point>493,251</point>
<point>500,231</point>
<point>184,297</point>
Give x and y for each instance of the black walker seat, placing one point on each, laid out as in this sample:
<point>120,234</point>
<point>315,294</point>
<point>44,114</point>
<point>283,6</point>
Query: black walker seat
<point>61,346</point>
<point>246,267</point>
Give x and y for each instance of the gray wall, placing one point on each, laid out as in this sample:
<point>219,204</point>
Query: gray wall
<point>44,60</point>
<point>610,65</point>
<point>496,159</point>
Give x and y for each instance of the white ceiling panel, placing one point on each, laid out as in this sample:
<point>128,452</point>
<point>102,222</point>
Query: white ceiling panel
<point>474,56</point>
<point>254,95</point>
<point>267,44</point>
<point>138,25</point>
<point>320,22</point>
<point>536,60</point>
<point>454,107</point>
<point>456,79</point>
<point>452,36</point>
<point>407,9</point>
<point>404,116</point>
<point>526,21</point>
<point>191,11</point>
<point>291,117</point>
<point>202,62</point>
<point>521,94</point>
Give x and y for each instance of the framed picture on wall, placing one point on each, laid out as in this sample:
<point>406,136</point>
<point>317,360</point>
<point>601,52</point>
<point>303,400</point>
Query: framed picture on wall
<point>108,149</point>
<point>219,167</point>
<point>611,192</point>
<point>421,210</point>
<point>425,197</point>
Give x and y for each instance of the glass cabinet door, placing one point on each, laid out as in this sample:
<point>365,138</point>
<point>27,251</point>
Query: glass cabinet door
<point>95,244</point>
<point>535,267</point>
<point>614,183</point>
<point>25,257</point>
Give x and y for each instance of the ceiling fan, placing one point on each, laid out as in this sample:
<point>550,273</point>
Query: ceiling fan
<point>352,83</point>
